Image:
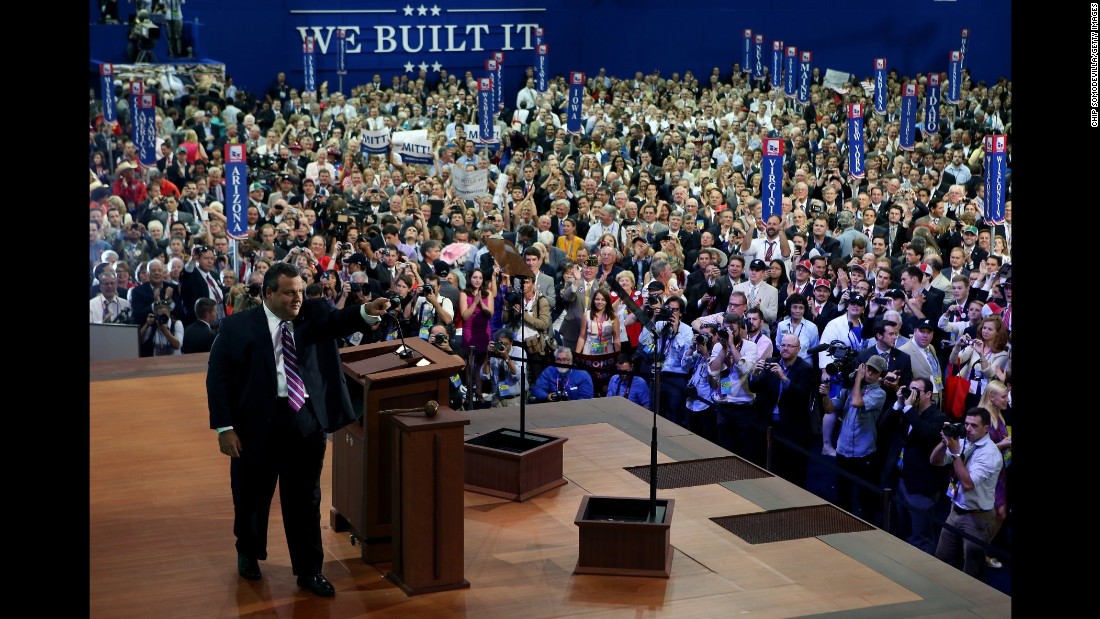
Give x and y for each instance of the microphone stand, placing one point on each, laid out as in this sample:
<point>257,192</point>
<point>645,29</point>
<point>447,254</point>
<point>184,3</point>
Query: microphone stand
<point>404,352</point>
<point>655,398</point>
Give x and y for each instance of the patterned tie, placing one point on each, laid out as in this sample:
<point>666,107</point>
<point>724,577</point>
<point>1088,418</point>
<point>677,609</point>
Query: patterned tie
<point>752,296</point>
<point>934,364</point>
<point>867,232</point>
<point>214,288</point>
<point>295,389</point>
<point>771,247</point>
<point>106,310</point>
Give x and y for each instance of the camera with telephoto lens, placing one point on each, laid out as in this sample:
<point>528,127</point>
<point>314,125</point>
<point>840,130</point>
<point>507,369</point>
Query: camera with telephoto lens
<point>722,334</point>
<point>905,392</point>
<point>395,302</point>
<point>496,346</point>
<point>426,290</point>
<point>702,339</point>
<point>954,430</point>
<point>439,338</point>
<point>512,298</point>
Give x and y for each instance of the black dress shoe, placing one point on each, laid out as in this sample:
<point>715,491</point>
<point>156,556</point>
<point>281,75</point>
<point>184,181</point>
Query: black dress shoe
<point>248,567</point>
<point>318,584</point>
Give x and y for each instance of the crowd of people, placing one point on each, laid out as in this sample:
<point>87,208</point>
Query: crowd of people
<point>854,323</point>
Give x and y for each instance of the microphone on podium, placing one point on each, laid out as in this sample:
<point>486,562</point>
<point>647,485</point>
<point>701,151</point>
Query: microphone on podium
<point>428,409</point>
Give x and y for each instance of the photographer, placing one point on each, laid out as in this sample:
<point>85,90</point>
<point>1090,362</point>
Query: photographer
<point>783,387</point>
<point>142,36</point>
<point>441,340</point>
<point>848,330</point>
<point>919,483</point>
<point>528,315</point>
<point>502,369</point>
<point>675,339</point>
<point>161,334</point>
<point>702,389</point>
<point>430,308</point>
<point>731,362</point>
<point>859,409</point>
<point>558,384</point>
<point>625,384</point>
<point>975,465</point>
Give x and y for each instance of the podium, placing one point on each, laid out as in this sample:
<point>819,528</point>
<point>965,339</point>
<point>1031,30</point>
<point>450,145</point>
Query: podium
<point>427,480</point>
<point>363,456</point>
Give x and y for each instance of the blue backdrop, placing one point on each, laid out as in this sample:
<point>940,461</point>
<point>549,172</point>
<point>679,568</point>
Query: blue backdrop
<point>258,38</point>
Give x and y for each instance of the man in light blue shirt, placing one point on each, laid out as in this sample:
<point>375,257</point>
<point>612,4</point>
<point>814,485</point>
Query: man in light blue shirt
<point>859,408</point>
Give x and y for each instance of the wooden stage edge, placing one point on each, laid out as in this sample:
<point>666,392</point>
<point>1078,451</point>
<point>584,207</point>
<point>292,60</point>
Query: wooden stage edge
<point>160,514</point>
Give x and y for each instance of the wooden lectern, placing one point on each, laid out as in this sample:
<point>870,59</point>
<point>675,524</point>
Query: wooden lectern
<point>428,526</point>
<point>362,454</point>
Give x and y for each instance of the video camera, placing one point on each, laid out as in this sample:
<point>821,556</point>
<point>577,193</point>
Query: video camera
<point>843,366</point>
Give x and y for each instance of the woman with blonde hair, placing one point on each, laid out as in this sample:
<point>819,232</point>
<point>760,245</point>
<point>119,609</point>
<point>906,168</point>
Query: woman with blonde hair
<point>194,149</point>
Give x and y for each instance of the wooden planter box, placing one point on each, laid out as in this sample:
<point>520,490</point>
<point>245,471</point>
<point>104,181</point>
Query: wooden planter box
<point>617,537</point>
<point>502,464</point>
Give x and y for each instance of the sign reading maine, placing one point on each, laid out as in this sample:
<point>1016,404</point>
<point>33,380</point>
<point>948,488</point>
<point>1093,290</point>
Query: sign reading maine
<point>422,29</point>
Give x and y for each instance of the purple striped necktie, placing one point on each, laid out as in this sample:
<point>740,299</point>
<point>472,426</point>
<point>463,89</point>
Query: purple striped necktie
<point>295,389</point>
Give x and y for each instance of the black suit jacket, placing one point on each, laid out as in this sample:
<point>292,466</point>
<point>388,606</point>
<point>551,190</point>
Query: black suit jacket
<point>241,384</point>
<point>829,244</point>
<point>141,301</point>
<point>197,337</point>
<point>193,287</point>
<point>695,292</point>
<point>897,360</point>
<point>919,433</point>
<point>828,312</point>
<point>794,401</point>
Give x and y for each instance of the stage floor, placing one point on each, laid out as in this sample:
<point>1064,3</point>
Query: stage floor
<point>161,541</point>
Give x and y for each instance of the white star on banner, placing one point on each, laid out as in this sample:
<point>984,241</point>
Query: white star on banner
<point>435,11</point>
<point>436,66</point>
<point>420,10</point>
<point>423,66</point>
<point>408,11</point>
<point>408,67</point>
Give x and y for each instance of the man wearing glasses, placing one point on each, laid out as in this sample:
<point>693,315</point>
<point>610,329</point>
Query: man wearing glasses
<point>675,339</point>
<point>560,384</point>
<point>919,483</point>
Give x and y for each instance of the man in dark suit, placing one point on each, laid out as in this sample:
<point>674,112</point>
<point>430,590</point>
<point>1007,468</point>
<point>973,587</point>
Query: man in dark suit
<point>919,483</point>
<point>156,289</point>
<point>783,390</point>
<point>199,336</point>
<point>822,310</point>
<point>922,300</point>
<point>200,279</point>
<point>825,245</point>
<point>275,387</point>
<point>171,214</point>
<point>899,366</point>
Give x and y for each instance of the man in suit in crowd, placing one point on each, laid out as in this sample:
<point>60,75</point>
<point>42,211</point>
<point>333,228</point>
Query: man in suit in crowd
<point>760,293</point>
<point>919,483</point>
<point>783,390</point>
<point>577,289</point>
<point>199,335</point>
<point>543,283</point>
<point>200,279</point>
<point>157,288</point>
<point>922,354</point>
<point>275,387</point>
